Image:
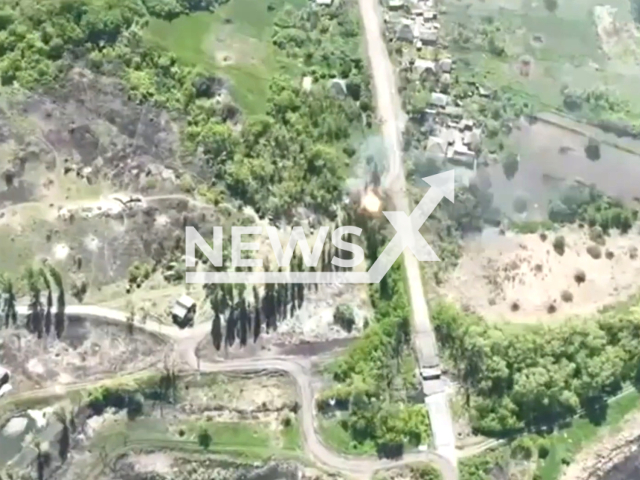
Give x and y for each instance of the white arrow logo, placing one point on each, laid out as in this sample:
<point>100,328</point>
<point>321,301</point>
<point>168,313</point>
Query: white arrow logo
<point>407,236</point>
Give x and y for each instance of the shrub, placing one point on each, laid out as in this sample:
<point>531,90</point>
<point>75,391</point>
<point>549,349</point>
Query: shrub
<point>596,235</point>
<point>566,296</point>
<point>204,437</point>
<point>580,276</point>
<point>594,251</point>
<point>345,317</point>
<point>592,150</point>
<point>559,245</point>
<point>543,448</point>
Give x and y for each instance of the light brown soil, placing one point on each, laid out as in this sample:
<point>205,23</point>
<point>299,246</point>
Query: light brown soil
<point>500,272</point>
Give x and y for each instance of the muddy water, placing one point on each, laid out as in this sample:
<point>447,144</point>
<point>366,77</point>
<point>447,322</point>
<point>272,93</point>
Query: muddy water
<point>549,156</point>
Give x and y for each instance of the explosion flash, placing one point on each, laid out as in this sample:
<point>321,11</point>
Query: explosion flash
<point>370,202</point>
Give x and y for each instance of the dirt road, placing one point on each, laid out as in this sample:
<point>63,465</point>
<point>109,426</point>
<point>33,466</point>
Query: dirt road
<point>390,112</point>
<point>186,344</point>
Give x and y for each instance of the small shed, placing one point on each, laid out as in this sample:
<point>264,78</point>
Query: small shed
<point>324,3</point>
<point>395,4</point>
<point>183,311</point>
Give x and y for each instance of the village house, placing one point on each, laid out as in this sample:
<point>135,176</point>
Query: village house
<point>424,67</point>
<point>404,33</point>
<point>436,148</point>
<point>395,5</point>
<point>445,65</point>
<point>427,34</point>
<point>439,99</point>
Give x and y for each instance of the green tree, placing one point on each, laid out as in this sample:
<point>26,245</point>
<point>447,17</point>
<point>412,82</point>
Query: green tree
<point>8,301</point>
<point>34,317</point>
<point>204,437</point>
<point>59,316</point>
<point>551,5</point>
<point>48,320</point>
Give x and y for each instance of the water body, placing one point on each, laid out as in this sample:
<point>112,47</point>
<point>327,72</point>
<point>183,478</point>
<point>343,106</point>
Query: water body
<point>550,156</point>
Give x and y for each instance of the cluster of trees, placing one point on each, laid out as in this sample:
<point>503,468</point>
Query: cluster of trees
<point>539,377</point>
<point>297,153</point>
<point>602,107</point>
<point>580,203</point>
<point>487,35</point>
<point>41,318</point>
<point>239,312</point>
<point>373,383</point>
<point>326,42</point>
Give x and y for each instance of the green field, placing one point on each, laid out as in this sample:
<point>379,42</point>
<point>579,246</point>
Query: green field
<point>338,439</point>
<point>565,444</point>
<point>233,42</point>
<point>564,46</point>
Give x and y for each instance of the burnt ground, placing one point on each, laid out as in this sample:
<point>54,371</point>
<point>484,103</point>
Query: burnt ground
<point>86,351</point>
<point>310,332</point>
<point>61,157</point>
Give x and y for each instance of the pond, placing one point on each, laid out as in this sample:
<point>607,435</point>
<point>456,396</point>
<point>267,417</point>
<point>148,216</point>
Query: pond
<point>550,156</point>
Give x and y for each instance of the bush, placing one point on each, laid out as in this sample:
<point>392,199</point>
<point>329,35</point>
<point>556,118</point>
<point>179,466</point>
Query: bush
<point>522,448</point>
<point>579,276</point>
<point>566,296</point>
<point>425,472</point>
<point>510,165</point>
<point>204,437</point>
<point>594,251</point>
<point>543,448</point>
<point>559,245</point>
<point>345,317</point>
<point>596,235</point>
<point>592,150</point>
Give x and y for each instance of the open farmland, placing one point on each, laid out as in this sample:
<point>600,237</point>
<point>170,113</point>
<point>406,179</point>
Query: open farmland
<point>580,46</point>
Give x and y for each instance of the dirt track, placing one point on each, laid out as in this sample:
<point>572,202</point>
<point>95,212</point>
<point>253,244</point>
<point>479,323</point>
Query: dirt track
<point>186,344</point>
<point>392,118</point>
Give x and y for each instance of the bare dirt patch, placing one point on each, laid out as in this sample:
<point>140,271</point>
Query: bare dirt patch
<point>523,278</point>
<point>242,394</point>
<point>311,331</point>
<point>86,351</point>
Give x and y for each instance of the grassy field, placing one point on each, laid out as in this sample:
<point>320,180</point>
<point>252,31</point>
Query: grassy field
<point>565,444</point>
<point>251,439</point>
<point>233,42</point>
<point>565,48</point>
<point>339,440</point>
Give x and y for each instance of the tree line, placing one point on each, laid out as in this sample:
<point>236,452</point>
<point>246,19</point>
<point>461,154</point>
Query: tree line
<point>240,312</point>
<point>42,318</point>
<point>538,377</point>
<point>297,153</point>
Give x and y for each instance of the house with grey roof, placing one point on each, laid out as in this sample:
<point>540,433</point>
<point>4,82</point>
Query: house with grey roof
<point>439,99</point>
